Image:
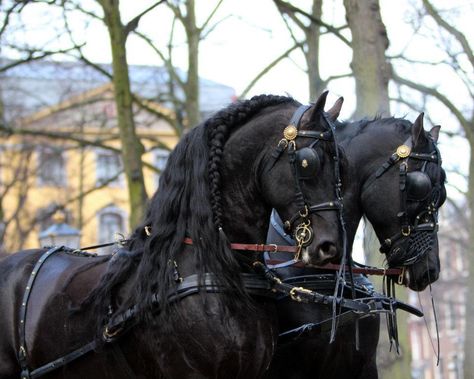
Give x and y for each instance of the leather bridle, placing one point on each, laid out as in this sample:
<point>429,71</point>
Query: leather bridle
<point>417,235</point>
<point>299,224</point>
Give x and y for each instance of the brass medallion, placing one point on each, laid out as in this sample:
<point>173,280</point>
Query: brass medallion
<point>290,132</point>
<point>304,163</point>
<point>303,234</point>
<point>403,151</point>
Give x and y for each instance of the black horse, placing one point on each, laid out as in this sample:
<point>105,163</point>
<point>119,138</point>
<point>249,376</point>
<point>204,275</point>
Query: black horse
<point>398,184</point>
<point>132,315</point>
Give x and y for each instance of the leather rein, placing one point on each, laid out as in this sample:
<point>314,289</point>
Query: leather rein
<point>273,248</point>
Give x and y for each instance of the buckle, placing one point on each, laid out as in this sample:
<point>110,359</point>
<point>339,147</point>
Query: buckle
<point>294,293</point>
<point>406,230</point>
<point>109,335</point>
<point>401,276</point>
<point>274,246</point>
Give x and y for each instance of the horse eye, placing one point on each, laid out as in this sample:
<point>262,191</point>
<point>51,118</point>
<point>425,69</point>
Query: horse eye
<point>418,186</point>
<point>307,163</point>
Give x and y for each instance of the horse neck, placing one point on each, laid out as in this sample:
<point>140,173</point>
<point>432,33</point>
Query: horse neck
<point>245,213</point>
<point>368,144</point>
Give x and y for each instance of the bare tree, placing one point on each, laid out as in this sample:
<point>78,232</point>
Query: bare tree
<point>369,63</point>
<point>459,57</point>
<point>132,148</point>
<point>313,27</point>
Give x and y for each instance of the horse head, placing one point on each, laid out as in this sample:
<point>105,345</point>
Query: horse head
<point>401,197</point>
<point>302,180</point>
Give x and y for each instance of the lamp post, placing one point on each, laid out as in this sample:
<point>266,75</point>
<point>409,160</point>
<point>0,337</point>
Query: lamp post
<point>60,233</point>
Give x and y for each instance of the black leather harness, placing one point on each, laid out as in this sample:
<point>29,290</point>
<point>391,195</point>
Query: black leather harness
<point>122,322</point>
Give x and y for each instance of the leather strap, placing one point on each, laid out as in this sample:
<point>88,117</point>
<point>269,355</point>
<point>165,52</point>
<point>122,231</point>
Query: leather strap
<point>366,270</point>
<point>292,249</point>
<point>22,351</point>
<point>377,303</point>
<point>325,136</point>
<point>271,248</point>
<point>116,327</point>
<point>60,362</point>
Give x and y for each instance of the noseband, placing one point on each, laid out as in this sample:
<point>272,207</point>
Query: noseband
<point>304,163</point>
<point>416,238</point>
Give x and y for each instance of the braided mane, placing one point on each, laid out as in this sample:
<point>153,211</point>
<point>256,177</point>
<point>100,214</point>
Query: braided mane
<point>187,204</point>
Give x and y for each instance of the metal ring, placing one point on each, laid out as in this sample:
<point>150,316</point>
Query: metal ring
<point>306,212</point>
<point>406,233</point>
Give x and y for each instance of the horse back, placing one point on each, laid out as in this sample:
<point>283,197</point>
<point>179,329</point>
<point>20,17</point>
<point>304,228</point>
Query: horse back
<point>51,325</point>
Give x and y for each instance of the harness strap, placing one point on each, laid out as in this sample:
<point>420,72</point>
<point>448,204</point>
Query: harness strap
<point>22,351</point>
<point>117,325</point>
<point>366,270</point>
<point>191,285</point>
<point>272,248</point>
<point>335,205</point>
<point>324,136</point>
<point>378,304</point>
<point>60,362</point>
<point>305,295</point>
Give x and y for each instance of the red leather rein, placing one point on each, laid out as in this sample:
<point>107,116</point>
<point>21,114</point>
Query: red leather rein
<point>272,248</point>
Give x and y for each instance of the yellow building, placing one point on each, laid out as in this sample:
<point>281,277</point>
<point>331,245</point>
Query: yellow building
<point>67,157</point>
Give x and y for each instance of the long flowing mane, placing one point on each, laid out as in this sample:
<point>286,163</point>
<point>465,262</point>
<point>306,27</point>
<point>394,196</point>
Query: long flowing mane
<point>187,204</point>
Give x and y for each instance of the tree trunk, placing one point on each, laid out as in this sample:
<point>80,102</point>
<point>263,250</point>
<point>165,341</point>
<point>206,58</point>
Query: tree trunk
<point>313,34</point>
<point>132,149</point>
<point>372,73</point>
<point>192,84</point>
<point>369,64</point>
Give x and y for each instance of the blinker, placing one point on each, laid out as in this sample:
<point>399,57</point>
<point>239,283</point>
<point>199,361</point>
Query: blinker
<point>307,163</point>
<point>418,186</point>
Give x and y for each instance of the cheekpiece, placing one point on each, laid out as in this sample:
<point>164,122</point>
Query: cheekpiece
<point>290,132</point>
<point>403,151</point>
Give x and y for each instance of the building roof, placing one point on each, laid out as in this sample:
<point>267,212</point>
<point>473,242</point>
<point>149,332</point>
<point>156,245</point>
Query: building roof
<point>28,87</point>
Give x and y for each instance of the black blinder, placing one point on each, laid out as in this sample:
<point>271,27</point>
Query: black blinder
<point>418,186</point>
<point>307,163</point>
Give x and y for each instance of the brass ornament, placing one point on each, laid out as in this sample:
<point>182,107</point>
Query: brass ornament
<point>290,132</point>
<point>304,163</point>
<point>303,234</point>
<point>403,151</point>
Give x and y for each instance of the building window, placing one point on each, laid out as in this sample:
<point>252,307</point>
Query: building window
<point>108,168</point>
<point>161,159</point>
<point>111,220</point>
<point>51,168</point>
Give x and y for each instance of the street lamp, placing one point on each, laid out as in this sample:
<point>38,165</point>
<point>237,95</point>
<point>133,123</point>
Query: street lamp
<point>60,233</point>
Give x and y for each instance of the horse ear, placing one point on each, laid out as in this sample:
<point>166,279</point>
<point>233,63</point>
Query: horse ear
<point>333,113</point>
<point>434,132</point>
<point>318,107</point>
<point>417,132</point>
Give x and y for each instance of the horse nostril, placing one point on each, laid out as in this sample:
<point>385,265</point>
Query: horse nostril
<point>327,250</point>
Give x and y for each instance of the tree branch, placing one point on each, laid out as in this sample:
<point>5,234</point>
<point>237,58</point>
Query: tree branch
<point>332,29</point>
<point>439,96</point>
<point>460,37</point>
<point>133,23</point>
<point>268,68</point>
<point>211,15</point>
